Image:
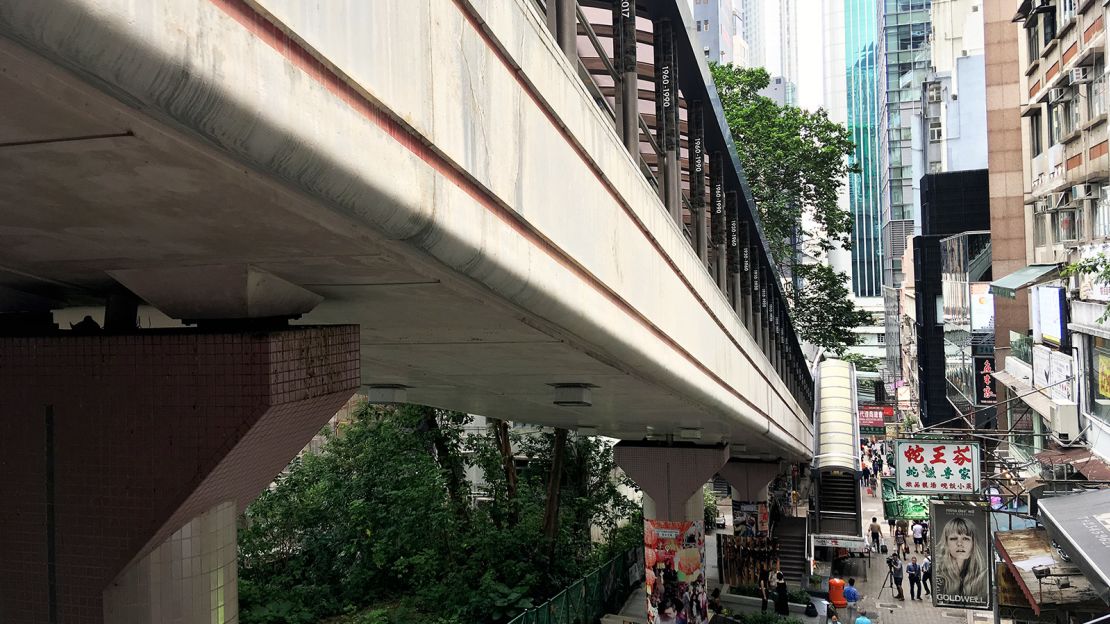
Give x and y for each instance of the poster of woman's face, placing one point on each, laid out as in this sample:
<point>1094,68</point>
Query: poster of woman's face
<point>961,555</point>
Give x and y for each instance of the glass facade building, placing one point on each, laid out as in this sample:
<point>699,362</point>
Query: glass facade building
<point>860,54</point>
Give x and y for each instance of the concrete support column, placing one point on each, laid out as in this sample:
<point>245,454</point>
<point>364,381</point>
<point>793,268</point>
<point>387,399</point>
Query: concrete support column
<point>567,28</point>
<point>190,577</point>
<point>624,61</point>
<point>110,444</point>
<point>671,476</point>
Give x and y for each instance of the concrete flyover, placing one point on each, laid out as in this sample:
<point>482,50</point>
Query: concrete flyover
<point>436,173</point>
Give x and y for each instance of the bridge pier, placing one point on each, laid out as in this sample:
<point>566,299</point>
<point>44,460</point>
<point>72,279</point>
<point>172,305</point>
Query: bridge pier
<point>127,458</point>
<point>671,476</point>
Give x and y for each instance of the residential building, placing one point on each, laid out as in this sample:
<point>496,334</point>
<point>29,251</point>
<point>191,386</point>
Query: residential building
<point>1060,362</point>
<point>752,15</point>
<point>720,29</point>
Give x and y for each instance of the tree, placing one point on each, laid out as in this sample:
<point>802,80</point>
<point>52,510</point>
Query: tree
<point>796,162</point>
<point>374,522</point>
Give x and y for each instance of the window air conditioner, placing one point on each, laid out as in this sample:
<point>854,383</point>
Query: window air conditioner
<point>1064,420</point>
<point>1058,94</point>
<point>1081,192</point>
<point>1057,201</point>
<point>1041,206</point>
<point>1079,75</point>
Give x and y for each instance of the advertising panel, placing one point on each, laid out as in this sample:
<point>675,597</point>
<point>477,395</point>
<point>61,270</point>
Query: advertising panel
<point>936,466</point>
<point>982,307</point>
<point>961,555</point>
<point>674,555</point>
<point>1042,358</point>
<point>1048,314</point>
<point>872,418</point>
<point>1060,376</point>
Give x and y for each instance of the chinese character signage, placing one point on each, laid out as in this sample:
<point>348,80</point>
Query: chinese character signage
<point>961,555</point>
<point>936,467</point>
<point>871,418</point>
<point>984,381</point>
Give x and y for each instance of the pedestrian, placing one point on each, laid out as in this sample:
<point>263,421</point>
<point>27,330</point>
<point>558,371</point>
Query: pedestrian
<point>782,605</point>
<point>764,587</point>
<point>876,530</point>
<point>900,541</point>
<point>918,530</point>
<point>851,596</point>
<point>891,521</point>
<point>865,474</point>
<point>862,619</point>
<point>830,613</point>
<point>914,572</point>
<point>897,572</point>
<point>927,575</point>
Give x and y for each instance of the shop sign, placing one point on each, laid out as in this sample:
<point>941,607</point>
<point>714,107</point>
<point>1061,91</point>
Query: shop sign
<point>936,467</point>
<point>872,418</point>
<point>854,544</point>
<point>984,381</point>
<point>1042,358</point>
<point>1103,375</point>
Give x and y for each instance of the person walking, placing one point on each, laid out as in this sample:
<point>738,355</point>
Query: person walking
<point>918,530</point>
<point>914,572</point>
<point>851,596</point>
<point>897,571</point>
<point>927,575</point>
<point>862,619</point>
<point>900,542</point>
<point>876,530</point>
<point>764,587</point>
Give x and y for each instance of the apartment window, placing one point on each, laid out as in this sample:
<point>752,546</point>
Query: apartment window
<point>1067,11</point>
<point>881,338</point>
<point>1048,27</point>
<point>936,132</point>
<point>1040,230</point>
<point>1101,210</point>
<point>1096,92</point>
<point>1063,118</point>
<point>1035,138</point>
<point>1033,39</point>
<point>934,93</point>
<point>699,25</point>
<point>1065,226</point>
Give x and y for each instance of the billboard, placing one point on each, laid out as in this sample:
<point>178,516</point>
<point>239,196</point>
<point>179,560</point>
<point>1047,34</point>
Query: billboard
<point>872,418</point>
<point>674,555</point>
<point>961,555</point>
<point>936,466</point>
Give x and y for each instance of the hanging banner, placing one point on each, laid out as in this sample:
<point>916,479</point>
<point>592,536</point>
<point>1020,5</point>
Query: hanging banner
<point>936,466</point>
<point>717,224</point>
<point>733,240</point>
<point>961,555</point>
<point>674,555</point>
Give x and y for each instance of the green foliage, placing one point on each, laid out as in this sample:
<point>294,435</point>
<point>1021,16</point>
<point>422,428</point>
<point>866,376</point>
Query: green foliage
<point>796,162</point>
<point>1099,267</point>
<point>862,362</point>
<point>710,500</point>
<point>383,517</point>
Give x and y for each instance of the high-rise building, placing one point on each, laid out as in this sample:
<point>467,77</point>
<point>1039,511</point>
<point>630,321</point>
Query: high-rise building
<point>752,20</point>
<point>851,98</point>
<point>788,49</point>
<point>903,62</point>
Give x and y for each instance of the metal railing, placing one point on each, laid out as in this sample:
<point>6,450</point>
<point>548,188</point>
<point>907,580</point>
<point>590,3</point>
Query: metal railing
<point>602,591</point>
<point>756,291</point>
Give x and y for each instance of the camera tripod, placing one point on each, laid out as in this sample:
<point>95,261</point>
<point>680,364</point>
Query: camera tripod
<point>889,581</point>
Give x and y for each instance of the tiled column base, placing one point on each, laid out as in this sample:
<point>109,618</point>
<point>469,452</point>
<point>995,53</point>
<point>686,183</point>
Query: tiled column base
<point>109,444</point>
<point>189,579</point>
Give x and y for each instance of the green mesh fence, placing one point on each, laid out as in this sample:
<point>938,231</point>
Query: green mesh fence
<point>602,591</point>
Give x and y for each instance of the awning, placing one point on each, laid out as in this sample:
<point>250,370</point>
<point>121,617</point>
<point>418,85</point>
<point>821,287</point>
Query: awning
<point>1032,397</point>
<point>1023,11</point>
<point>1083,460</point>
<point>1026,549</point>
<point>1023,278</point>
<point>1080,523</point>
